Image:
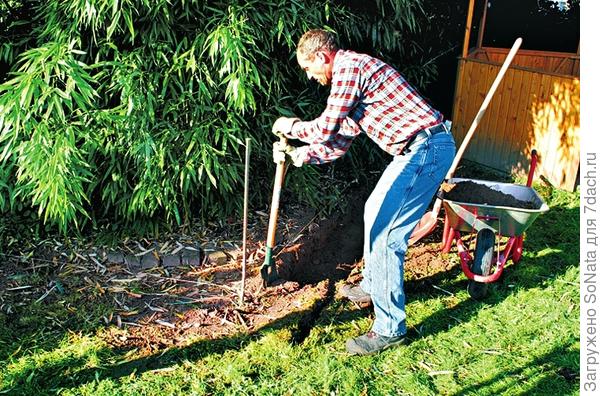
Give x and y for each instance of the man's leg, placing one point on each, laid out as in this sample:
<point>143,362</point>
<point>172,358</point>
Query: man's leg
<point>394,208</point>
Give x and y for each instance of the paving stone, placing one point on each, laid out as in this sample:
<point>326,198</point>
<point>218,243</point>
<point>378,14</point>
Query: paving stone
<point>171,261</point>
<point>132,262</point>
<point>191,257</point>
<point>218,257</point>
<point>149,261</point>
<point>235,253</point>
<point>115,257</point>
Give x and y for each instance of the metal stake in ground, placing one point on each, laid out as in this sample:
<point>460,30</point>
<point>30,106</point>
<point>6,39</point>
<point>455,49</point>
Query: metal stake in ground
<point>245,223</point>
<point>268,271</point>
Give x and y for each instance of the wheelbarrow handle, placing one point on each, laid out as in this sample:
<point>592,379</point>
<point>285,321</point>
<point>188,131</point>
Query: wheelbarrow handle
<point>534,159</point>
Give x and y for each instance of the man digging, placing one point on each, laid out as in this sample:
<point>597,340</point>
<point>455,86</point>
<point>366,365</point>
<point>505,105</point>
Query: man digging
<point>369,96</point>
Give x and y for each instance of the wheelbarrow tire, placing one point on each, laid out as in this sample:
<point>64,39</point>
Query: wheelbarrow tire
<point>482,262</point>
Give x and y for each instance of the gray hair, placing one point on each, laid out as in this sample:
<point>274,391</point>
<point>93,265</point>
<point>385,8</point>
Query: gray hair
<point>316,40</point>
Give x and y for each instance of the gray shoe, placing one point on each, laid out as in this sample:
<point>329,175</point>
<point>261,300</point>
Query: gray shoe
<point>355,293</point>
<point>370,343</point>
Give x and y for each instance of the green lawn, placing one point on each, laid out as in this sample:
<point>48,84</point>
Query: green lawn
<point>522,340</point>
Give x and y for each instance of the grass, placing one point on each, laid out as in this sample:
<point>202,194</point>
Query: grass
<point>522,339</point>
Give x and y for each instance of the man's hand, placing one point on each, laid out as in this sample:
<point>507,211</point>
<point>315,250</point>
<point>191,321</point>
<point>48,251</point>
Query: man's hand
<point>297,155</point>
<point>283,126</point>
<point>283,151</point>
<point>279,148</point>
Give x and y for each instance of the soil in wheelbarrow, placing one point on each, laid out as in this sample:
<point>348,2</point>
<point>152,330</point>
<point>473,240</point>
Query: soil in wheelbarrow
<point>475,193</point>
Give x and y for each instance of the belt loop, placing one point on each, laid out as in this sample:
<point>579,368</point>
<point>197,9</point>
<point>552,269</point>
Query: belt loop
<point>448,125</point>
<point>443,125</point>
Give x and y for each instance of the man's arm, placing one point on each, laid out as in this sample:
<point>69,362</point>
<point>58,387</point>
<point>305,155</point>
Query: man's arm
<point>334,148</point>
<point>343,98</point>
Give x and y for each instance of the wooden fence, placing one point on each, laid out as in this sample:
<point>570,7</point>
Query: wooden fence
<point>535,106</point>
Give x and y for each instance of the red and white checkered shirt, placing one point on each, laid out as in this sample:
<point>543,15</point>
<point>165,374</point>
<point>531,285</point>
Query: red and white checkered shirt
<point>367,95</point>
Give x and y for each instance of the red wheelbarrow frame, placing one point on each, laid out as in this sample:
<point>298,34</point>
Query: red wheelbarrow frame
<point>513,248</point>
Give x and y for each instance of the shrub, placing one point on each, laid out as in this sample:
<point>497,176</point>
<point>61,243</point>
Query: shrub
<point>136,109</point>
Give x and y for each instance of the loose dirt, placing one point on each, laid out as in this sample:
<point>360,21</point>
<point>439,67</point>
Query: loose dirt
<point>475,193</point>
<point>160,307</point>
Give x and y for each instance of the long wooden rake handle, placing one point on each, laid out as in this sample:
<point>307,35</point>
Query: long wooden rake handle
<point>488,98</point>
<point>484,106</point>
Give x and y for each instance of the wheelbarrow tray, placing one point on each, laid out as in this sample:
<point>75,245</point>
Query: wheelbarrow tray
<point>503,220</point>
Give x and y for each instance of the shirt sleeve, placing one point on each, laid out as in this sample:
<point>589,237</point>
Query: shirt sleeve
<point>343,98</point>
<point>335,147</point>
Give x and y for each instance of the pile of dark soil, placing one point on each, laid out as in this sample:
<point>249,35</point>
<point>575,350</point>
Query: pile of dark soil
<point>475,193</point>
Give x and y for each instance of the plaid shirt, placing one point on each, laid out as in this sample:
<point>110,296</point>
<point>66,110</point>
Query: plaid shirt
<point>367,95</point>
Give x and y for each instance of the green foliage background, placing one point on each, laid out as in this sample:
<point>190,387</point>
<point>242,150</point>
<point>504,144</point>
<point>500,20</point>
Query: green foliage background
<point>131,110</point>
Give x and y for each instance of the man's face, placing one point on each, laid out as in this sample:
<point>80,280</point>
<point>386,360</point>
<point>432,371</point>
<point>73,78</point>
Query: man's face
<point>319,68</point>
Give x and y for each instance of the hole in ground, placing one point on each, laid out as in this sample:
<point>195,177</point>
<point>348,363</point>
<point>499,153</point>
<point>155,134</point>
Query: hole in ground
<point>328,251</point>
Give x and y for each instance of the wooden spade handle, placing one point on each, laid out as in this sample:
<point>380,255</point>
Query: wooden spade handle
<point>279,176</point>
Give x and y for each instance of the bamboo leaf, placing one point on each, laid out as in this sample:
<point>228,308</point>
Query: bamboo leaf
<point>146,103</point>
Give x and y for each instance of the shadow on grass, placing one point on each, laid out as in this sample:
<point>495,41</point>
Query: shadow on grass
<point>70,371</point>
<point>554,365</point>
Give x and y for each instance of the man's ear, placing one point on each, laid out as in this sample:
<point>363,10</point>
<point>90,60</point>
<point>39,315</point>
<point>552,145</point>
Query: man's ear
<point>321,57</point>
<point>326,57</point>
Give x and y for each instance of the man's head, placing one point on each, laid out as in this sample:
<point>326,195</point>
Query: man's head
<point>315,53</point>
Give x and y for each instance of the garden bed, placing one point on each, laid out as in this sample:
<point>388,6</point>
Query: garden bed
<point>146,304</point>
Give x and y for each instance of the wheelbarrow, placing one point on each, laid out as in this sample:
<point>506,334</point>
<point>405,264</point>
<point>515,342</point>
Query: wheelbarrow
<point>490,224</point>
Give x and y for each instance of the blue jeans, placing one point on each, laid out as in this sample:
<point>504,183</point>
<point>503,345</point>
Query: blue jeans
<point>392,211</point>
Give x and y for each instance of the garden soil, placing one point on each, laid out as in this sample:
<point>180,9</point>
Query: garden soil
<point>476,193</point>
<point>160,307</point>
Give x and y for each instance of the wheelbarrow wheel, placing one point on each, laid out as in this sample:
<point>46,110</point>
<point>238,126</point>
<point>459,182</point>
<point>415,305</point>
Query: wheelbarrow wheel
<point>482,262</point>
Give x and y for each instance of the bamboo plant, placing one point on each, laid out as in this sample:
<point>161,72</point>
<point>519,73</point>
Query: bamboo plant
<point>129,110</point>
